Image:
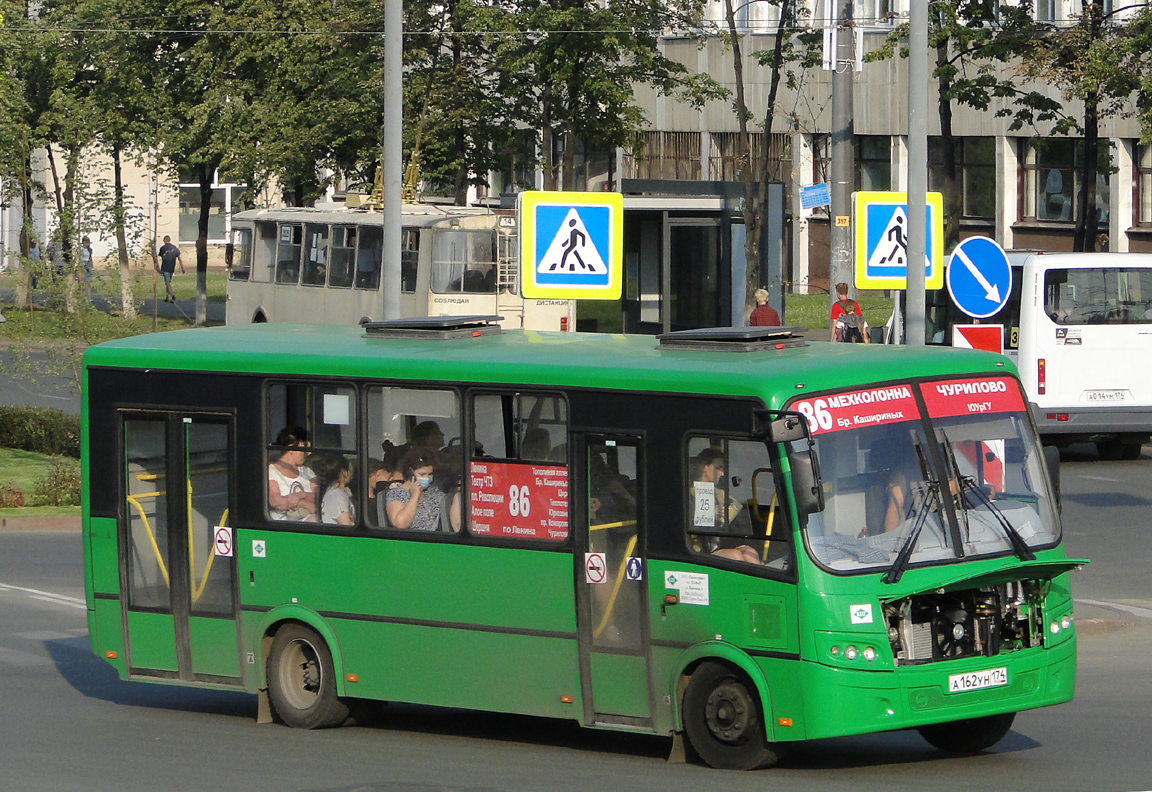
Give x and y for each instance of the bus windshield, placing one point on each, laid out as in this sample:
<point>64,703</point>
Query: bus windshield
<point>905,487</point>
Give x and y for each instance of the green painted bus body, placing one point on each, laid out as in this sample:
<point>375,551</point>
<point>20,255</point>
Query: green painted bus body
<point>495,627</point>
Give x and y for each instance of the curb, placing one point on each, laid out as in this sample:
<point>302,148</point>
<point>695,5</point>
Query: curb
<point>33,524</point>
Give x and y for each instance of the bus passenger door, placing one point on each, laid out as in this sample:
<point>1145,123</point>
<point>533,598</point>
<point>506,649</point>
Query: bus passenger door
<point>179,565</point>
<point>611,593</point>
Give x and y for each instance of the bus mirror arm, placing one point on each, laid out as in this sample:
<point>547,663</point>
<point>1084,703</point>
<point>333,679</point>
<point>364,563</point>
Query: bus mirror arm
<point>229,254</point>
<point>669,599</point>
<point>782,427</point>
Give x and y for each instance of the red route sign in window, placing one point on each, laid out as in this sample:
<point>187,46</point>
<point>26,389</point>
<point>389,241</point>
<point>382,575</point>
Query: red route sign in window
<point>518,500</point>
<point>856,409</point>
<point>972,396</point>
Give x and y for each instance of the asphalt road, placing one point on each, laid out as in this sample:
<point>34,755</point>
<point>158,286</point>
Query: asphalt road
<point>70,724</point>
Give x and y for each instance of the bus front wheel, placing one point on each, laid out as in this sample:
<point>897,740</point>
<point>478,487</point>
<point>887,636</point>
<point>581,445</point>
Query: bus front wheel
<point>723,720</point>
<point>301,680</point>
<point>968,736</point>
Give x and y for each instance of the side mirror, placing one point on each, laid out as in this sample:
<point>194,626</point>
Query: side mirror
<point>229,254</point>
<point>1052,462</point>
<point>787,429</point>
<point>807,487</point>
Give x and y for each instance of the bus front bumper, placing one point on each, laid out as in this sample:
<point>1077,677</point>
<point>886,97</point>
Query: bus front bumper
<point>841,702</point>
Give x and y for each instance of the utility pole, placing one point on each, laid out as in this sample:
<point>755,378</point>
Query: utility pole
<point>392,157</point>
<point>842,152</point>
<point>917,169</point>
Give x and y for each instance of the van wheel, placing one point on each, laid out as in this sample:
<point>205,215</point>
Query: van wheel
<point>1132,451</point>
<point>723,720</point>
<point>301,680</point>
<point>968,736</point>
<point>1110,450</point>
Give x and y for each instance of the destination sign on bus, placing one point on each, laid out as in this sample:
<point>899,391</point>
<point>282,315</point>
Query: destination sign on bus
<point>971,396</point>
<point>853,409</point>
<point>519,500</point>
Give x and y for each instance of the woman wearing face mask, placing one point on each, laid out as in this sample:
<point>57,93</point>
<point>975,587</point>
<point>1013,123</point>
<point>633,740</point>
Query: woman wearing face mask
<point>416,503</point>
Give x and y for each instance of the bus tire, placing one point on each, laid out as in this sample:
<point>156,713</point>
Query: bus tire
<point>968,736</point>
<point>302,680</point>
<point>1131,451</point>
<point>723,720</point>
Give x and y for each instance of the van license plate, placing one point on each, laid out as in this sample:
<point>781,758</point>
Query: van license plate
<point>993,677</point>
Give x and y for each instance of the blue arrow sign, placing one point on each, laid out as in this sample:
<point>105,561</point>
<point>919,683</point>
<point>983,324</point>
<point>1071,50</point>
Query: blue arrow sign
<point>979,277</point>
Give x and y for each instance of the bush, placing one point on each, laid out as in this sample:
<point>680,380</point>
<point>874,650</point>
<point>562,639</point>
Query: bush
<point>40,429</point>
<point>11,496</point>
<point>59,487</point>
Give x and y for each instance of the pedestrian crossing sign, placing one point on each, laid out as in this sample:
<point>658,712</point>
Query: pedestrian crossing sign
<point>571,245</point>
<point>881,235</point>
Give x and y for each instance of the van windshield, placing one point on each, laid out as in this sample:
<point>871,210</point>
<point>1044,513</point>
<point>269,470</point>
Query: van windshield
<point>927,473</point>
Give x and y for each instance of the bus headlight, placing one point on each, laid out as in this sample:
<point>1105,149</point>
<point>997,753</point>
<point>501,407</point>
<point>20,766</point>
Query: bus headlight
<point>1066,622</point>
<point>850,652</point>
<point>1054,627</point>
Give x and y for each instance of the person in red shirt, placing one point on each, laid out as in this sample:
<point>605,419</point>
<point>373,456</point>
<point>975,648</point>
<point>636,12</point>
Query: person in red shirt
<point>847,319</point>
<point>763,315</point>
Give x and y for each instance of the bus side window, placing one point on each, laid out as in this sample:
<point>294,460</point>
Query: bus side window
<point>733,510</point>
<point>405,424</point>
<point>409,259</point>
<point>310,437</point>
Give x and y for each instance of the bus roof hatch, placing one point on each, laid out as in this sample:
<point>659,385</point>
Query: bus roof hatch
<point>437,328</point>
<point>732,339</point>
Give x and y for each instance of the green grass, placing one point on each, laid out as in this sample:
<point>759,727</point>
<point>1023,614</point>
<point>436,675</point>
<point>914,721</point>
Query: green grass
<point>22,469</point>
<point>811,311</point>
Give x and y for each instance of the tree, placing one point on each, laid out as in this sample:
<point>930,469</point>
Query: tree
<point>789,49</point>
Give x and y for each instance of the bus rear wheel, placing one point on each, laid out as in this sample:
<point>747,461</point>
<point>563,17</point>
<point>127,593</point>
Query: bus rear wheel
<point>723,720</point>
<point>302,680</point>
<point>968,736</point>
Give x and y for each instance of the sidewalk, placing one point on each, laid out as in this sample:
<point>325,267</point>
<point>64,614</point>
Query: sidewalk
<point>33,524</point>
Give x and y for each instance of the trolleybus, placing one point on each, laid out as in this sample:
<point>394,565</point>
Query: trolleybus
<point>723,535</point>
<point>324,265</point>
<point>1076,324</point>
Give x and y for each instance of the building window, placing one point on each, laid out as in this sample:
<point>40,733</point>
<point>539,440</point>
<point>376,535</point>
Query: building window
<point>873,162</point>
<point>225,200</point>
<point>665,155</point>
<point>976,176</point>
<point>1052,180</point>
<point>1144,184</point>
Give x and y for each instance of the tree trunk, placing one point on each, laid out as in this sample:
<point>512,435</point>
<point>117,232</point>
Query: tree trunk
<point>127,303</point>
<point>747,175</point>
<point>460,141</point>
<point>569,158</point>
<point>1084,238</point>
<point>546,139</point>
<point>953,200</point>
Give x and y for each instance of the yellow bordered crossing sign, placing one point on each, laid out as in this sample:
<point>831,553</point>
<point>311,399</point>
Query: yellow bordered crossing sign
<point>571,245</point>
<point>881,235</point>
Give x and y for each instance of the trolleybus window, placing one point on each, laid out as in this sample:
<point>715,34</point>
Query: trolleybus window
<point>463,261</point>
<point>900,490</point>
<point>733,509</point>
<point>242,255</point>
<point>288,253</point>
<point>315,254</point>
<point>342,261</point>
<point>1098,296</point>
<point>369,249</point>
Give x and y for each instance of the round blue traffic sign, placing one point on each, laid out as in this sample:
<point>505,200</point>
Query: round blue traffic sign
<point>979,277</point>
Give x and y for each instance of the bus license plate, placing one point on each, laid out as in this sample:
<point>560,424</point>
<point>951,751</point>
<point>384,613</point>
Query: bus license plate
<point>993,677</point>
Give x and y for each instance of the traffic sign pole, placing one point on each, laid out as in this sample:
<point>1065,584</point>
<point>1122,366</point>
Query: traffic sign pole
<point>917,167</point>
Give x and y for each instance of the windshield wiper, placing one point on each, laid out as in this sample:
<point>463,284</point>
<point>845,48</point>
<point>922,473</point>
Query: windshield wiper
<point>930,497</point>
<point>1019,546</point>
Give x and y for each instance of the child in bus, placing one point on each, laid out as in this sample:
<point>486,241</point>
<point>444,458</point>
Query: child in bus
<point>336,507</point>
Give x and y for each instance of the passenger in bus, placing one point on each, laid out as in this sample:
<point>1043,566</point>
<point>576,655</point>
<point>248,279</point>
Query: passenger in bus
<point>415,504</point>
<point>292,484</point>
<point>743,552</point>
<point>336,506</point>
<point>428,435</point>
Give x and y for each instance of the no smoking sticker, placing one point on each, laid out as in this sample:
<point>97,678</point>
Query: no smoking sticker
<point>222,540</point>
<point>595,568</point>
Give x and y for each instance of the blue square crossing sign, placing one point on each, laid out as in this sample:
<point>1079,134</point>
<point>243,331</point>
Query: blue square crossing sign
<point>571,245</point>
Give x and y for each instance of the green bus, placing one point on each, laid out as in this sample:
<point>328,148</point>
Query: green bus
<point>725,535</point>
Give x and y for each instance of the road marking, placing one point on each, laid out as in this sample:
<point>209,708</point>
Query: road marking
<point>43,635</point>
<point>1143,613</point>
<point>1100,478</point>
<point>47,596</point>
